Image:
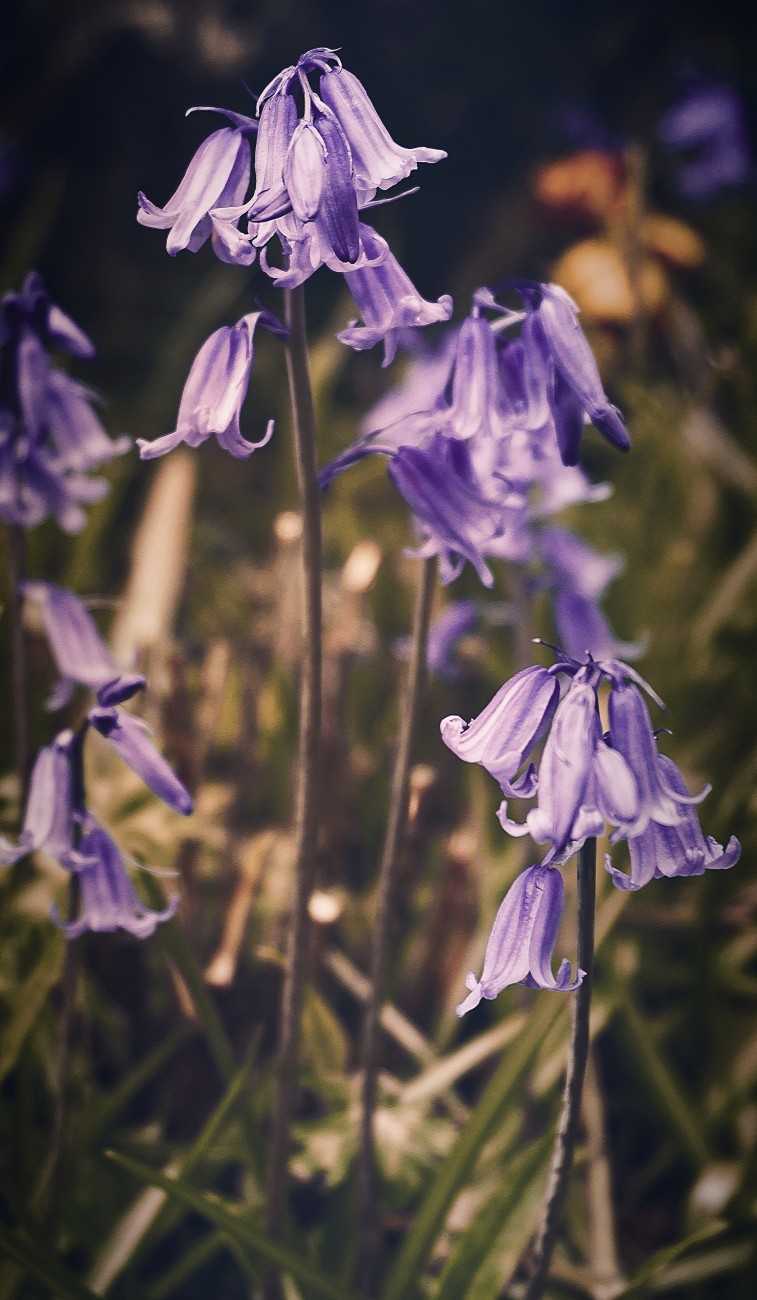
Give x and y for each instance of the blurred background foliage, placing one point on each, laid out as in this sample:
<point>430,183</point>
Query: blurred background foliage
<point>193,564</point>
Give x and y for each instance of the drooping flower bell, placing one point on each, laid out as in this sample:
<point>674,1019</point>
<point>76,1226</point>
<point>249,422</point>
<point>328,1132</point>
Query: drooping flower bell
<point>522,940</point>
<point>79,651</point>
<point>214,183</point>
<point>387,301</point>
<point>108,901</point>
<point>215,389</point>
<point>49,816</point>
<point>50,434</point>
<point>678,850</point>
<point>574,387</point>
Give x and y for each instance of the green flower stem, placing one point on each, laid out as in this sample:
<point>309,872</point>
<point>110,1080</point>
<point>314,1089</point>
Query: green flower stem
<point>578,1054</point>
<point>306,815</point>
<point>368,1218</point>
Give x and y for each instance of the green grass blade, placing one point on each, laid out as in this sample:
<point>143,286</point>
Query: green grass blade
<point>476,1241</point>
<point>106,1110</point>
<point>149,1215</point>
<point>247,1239</point>
<point>29,1000</point>
<point>37,1263</point>
<point>664,1088</point>
<point>493,1105</point>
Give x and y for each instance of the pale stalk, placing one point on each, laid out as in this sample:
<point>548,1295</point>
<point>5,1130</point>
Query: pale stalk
<point>578,1053</point>
<point>306,811</point>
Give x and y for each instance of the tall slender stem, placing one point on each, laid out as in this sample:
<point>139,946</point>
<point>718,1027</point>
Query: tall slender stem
<point>17,567</point>
<point>567,1128</point>
<point>368,1224</point>
<point>306,812</point>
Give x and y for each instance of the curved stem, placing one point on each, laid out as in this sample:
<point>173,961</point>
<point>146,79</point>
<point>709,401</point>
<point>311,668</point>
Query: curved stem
<point>567,1128</point>
<point>368,1223</point>
<point>306,812</point>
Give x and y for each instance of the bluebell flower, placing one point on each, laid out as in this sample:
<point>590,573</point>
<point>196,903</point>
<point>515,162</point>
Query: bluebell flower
<point>634,738</point>
<point>50,435</point>
<point>378,162</point>
<point>587,781</point>
<point>673,850</point>
<point>214,184</point>
<point>502,736</point>
<point>81,443</point>
<point>107,898</point>
<point>130,737</point>
<point>79,651</point>
<point>455,519</point>
<point>215,389</point>
<point>574,389</point>
<point>708,123</point>
<point>522,940</point>
<point>387,301</point>
<point>32,311</point>
<point>49,816</point>
<point>317,169</point>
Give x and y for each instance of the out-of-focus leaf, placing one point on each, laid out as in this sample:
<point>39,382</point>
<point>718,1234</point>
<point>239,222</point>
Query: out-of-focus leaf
<point>502,1215</point>
<point>493,1105</point>
<point>29,998</point>
<point>130,1235</point>
<point>226,1218</point>
<point>33,1258</point>
<point>664,1089</point>
<point>324,1046</point>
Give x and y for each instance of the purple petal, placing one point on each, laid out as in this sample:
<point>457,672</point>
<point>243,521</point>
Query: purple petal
<point>79,651</point>
<point>504,733</point>
<point>108,900</point>
<point>378,162</point>
<point>130,737</point>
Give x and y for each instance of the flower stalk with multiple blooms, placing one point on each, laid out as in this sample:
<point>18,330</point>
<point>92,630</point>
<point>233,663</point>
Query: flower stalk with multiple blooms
<point>483,442</point>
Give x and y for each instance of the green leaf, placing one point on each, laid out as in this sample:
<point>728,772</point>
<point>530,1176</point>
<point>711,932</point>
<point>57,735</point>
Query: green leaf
<point>489,1112</point>
<point>148,1215</point>
<point>665,1090</point>
<point>37,1263</point>
<point>223,1216</point>
<point>29,998</point>
<point>488,1224</point>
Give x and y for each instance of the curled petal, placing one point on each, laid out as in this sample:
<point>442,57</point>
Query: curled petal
<point>504,733</point>
<point>217,177</point>
<point>215,391</point>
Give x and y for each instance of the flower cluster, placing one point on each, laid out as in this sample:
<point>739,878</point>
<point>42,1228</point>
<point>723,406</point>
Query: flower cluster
<point>50,433</point>
<point>57,820</point>
<point>320,157</point>
<point>477,443</point>
<point>587,779</point>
